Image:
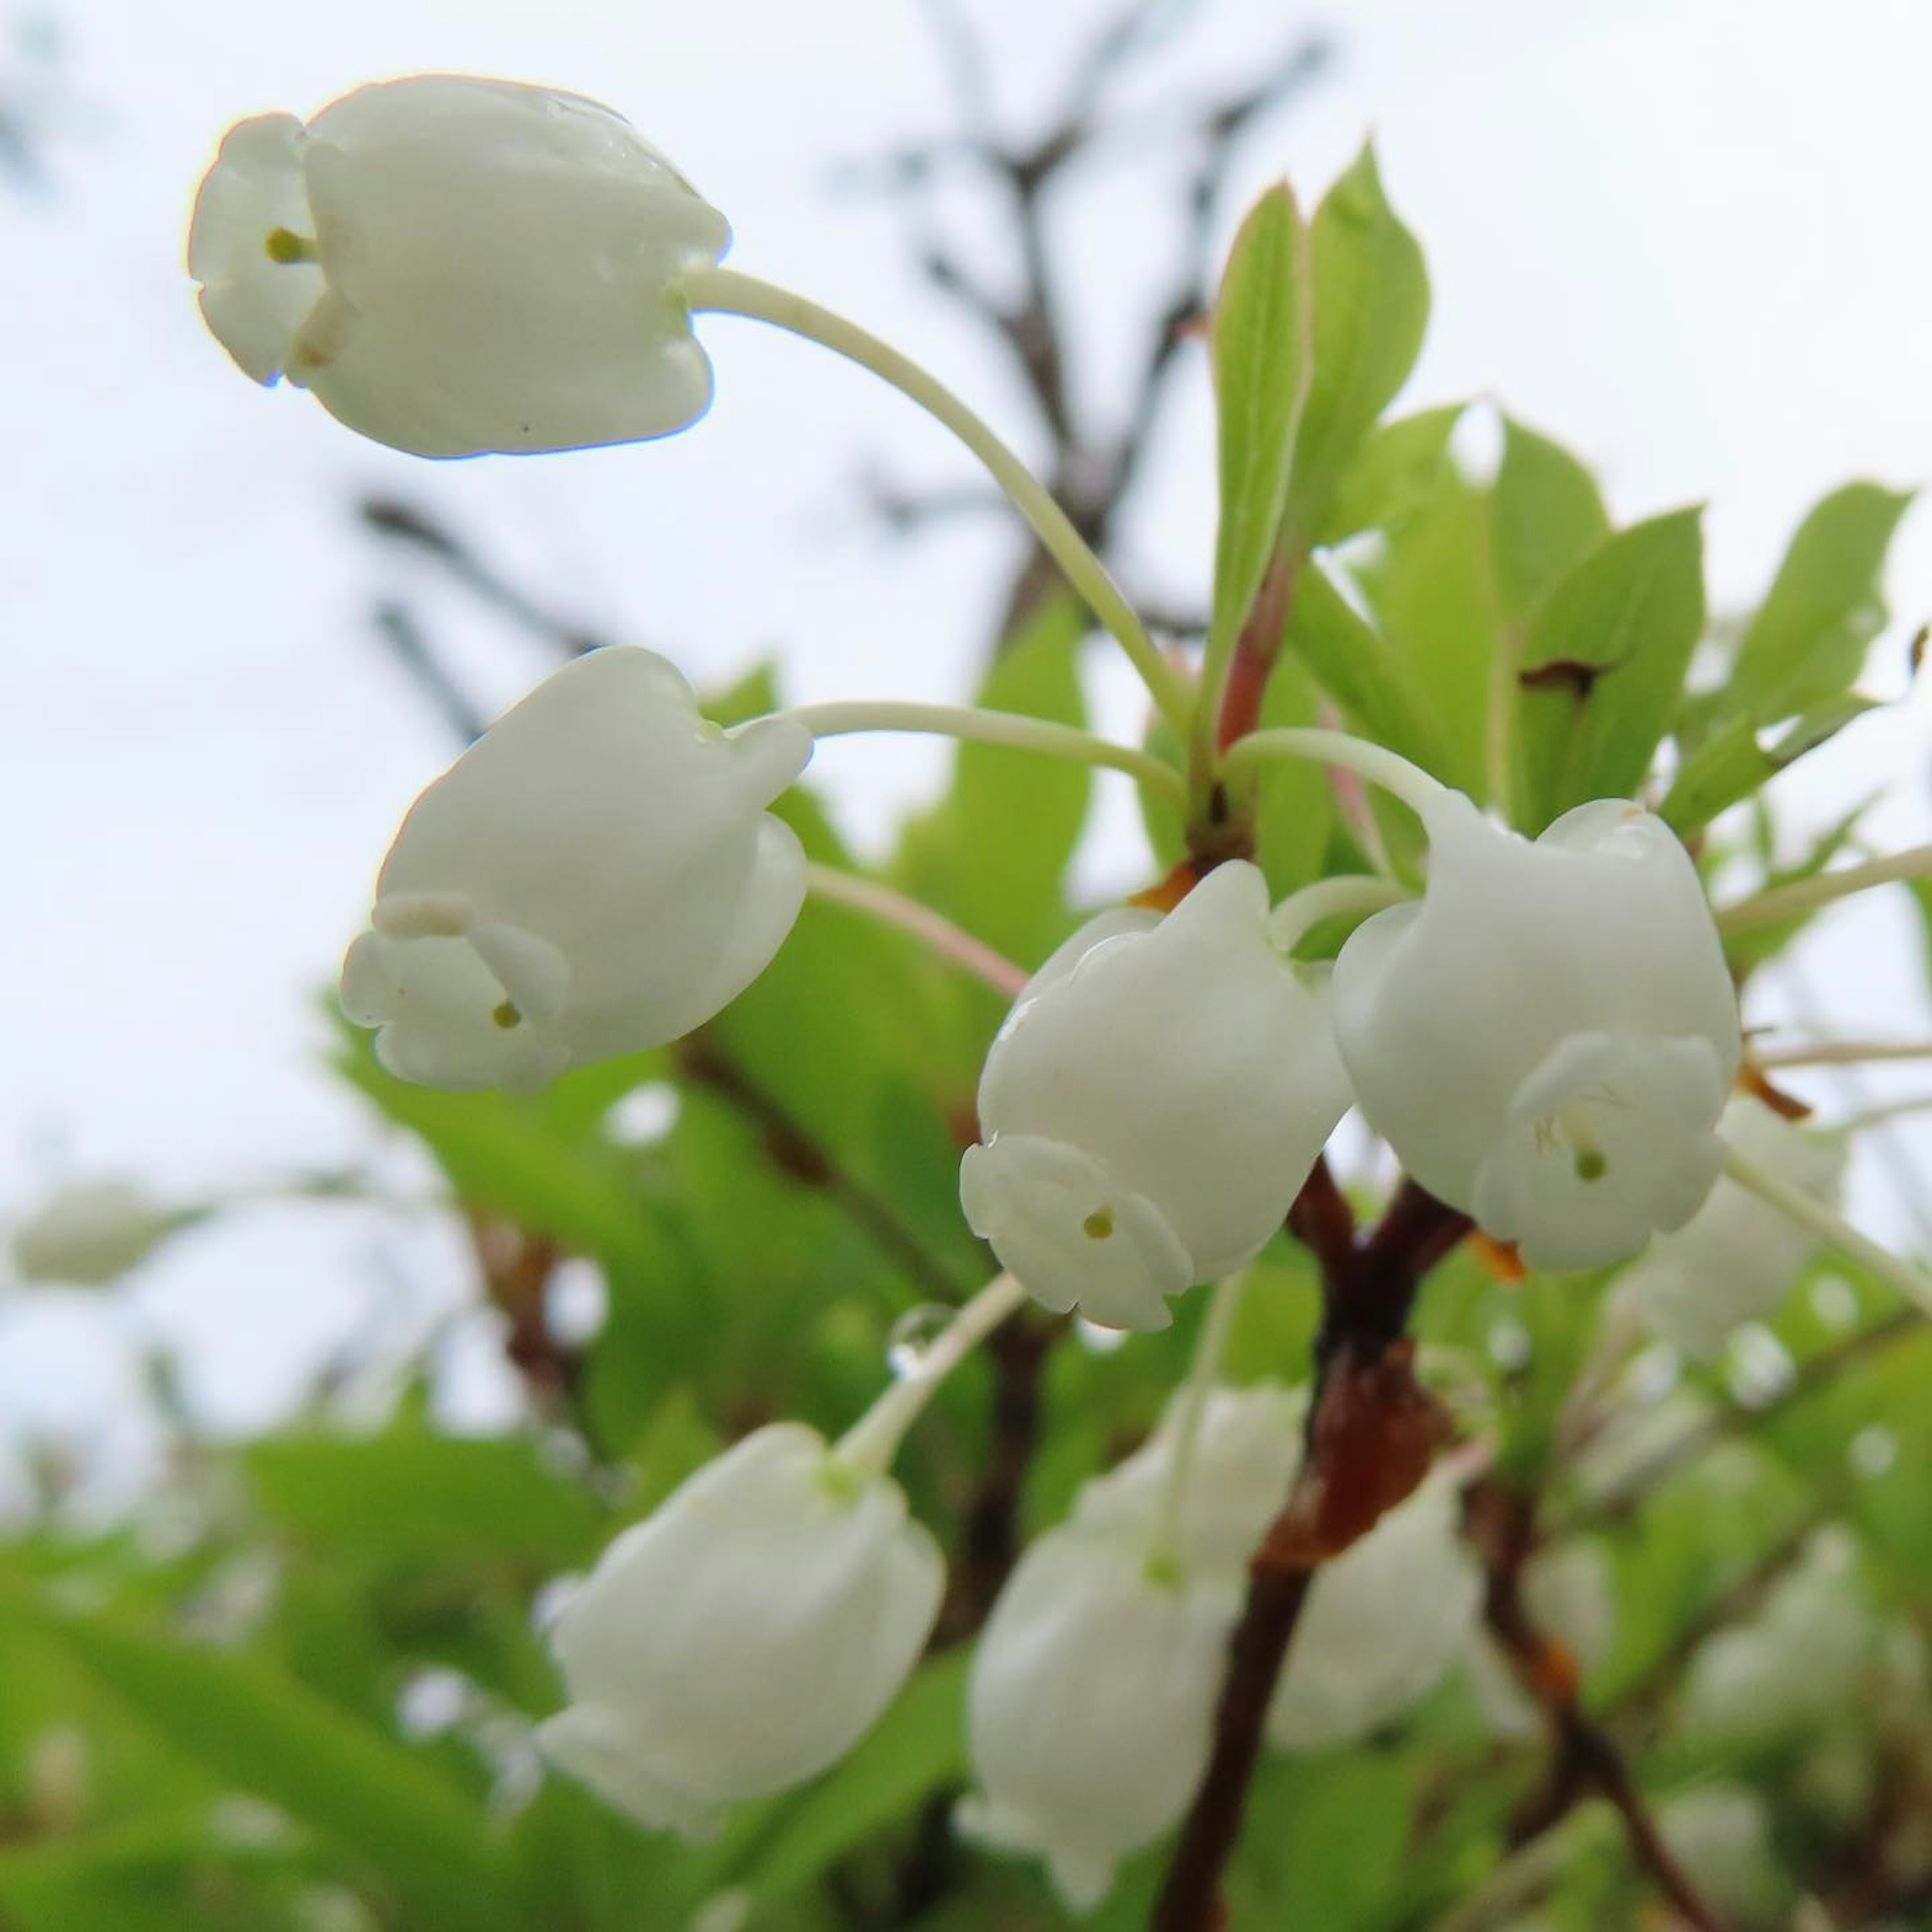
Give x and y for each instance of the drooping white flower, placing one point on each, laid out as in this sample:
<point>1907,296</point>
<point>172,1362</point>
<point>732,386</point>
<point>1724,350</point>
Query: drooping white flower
<point>90,1233</point>
<point>1245,1458</point>
<point>597,873</point>
<point>1151,1105</point>
<point>453,265</point>
<point>1383,1624</point>
<point>1089,1712</point>
<point>745,1636</point>
<point>1734,1259</point>
<point>1547,1039</point>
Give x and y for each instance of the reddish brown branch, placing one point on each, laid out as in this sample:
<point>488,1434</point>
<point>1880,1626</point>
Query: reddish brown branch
<point>1584,1759</point>
<point>1372,1429</point>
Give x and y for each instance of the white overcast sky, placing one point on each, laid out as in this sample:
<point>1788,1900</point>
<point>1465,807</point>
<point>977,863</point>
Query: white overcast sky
<point>1686,236</point>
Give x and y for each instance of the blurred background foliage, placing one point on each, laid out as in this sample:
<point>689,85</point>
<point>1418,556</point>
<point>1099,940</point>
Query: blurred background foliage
<point>296,1688</point>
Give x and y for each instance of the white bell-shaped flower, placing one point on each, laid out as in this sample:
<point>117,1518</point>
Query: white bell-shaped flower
<point>1245,1458</point>
<point>453,265</point>
<point>1151,1105</point>
<point>92,1233</point>
<point>1090,1709</point>
<point>597,873</point>
<point>745,1636</point>
<point>1548,1038</point>
<point>1383,1624</point>
<point>1734,1259</point>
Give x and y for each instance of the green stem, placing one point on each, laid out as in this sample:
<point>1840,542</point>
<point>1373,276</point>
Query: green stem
<point>867,1447</point>
<point>1830,1227</point>
<point>841,719</point>
<point>1300,913</point>
<point>1395,774</point>
<point>911,915</point>
<point>1808,894</point>
<point>1164,1547</point>
<point>724,291</point>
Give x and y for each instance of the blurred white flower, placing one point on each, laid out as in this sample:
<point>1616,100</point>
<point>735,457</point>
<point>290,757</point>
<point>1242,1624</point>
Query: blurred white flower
<point>1547,1040</point>
<point>1151,1105</point>
<point>1383,1624</point>
<point>1091,1708</point>
<point>745,1636</point>
<point>1735,1257</point>
<point>596,874</point>
<point>92,1233</point>
<point>455,265</point>
<point>1720,1834</point>
<point>1799,1662</point>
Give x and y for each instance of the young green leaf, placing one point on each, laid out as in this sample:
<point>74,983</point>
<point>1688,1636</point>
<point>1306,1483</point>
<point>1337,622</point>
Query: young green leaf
<point>1394,474</point>
<point>1546,513</point>
<point>1603,665</point>
<point>1371,308</point>
<point>1262,348</point>
<point>1732,763</point>
<point>1808,641</point>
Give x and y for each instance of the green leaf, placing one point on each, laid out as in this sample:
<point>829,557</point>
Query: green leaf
<point>1260,346</point>
<point>993,854</point>
<point>1295,804</point>
<point>1432,597</point>
<point>1732,763</point>
<point>1604,664</point>
<point>1371,309</point>
<point>1545,513</point>
<point>1808,640</point>
<point>273,1737</point>
<point>1394,473</point>
<point>536,1158</point>
<point>410,1494</point>
<point>1361,671</point>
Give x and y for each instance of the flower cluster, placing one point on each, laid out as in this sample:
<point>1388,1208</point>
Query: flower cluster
<point>1544,1030</point>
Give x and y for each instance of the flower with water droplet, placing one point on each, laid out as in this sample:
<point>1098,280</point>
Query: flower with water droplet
<point>596,874</point>
<point>453,265</point>
<point>1735,1259</point>
<point>1548,1038</point>
<point>92,1233</point>
<point>745,1636</point>
<point>1151,1105</point>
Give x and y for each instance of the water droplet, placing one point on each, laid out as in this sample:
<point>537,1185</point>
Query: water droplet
<point>912,1334</point>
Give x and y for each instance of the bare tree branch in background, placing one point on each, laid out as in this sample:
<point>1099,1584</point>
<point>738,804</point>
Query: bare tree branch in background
<point>1091,466</point>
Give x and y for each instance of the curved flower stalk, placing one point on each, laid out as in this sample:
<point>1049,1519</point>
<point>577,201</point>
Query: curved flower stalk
<point>1735,1259</point>
<point>1548,1039</point>
<point>455,266</point>
<point>745,1636</point>
<point>92,1233</point>
<point>452,264</point>
<point>1151,1105</point>
<point>596,874</point>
